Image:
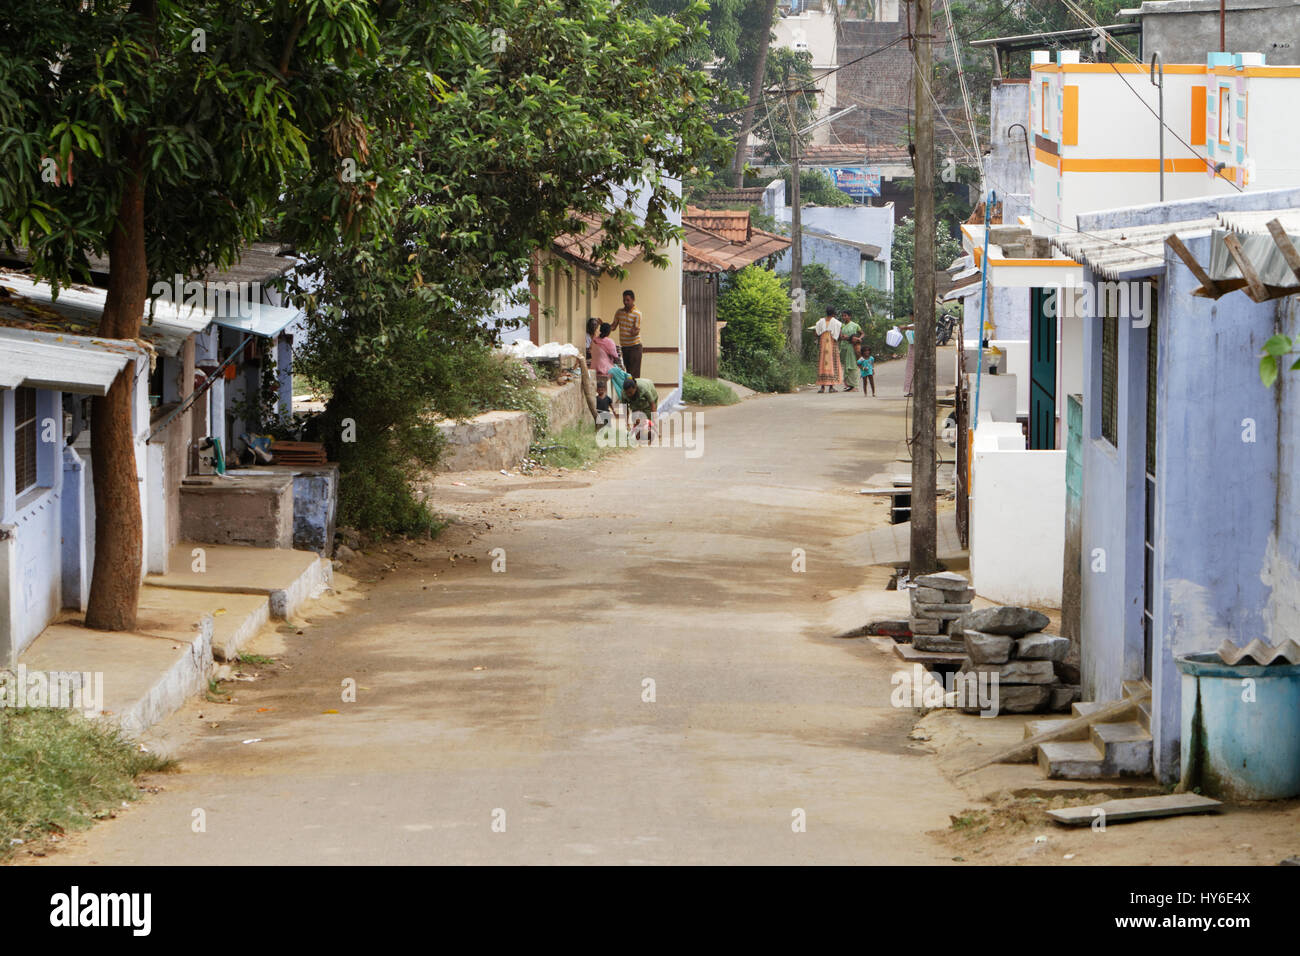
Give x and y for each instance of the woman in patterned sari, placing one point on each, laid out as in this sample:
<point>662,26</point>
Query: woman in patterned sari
<point>829,371</point>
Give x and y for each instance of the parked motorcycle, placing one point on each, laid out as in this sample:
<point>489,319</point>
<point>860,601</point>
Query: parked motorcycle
<point>944,326</point>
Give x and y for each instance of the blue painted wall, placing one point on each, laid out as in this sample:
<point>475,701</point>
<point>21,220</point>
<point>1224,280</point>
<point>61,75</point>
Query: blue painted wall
<point>1111,512</point>
<point>1226,530</point>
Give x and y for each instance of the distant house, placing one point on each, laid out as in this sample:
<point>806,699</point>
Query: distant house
<point>854,242</point>
<point>716,241</point>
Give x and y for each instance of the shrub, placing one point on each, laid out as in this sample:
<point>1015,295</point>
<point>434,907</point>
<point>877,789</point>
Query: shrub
<point>756,309</point>
<point>706,391</point>
<point>767,371</point>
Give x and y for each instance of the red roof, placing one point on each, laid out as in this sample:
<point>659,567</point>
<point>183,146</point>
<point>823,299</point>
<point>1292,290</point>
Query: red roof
<point>580,246</point>
<point>722,240</point>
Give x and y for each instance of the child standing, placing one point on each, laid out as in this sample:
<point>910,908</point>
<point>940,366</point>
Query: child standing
<point>867,365</point>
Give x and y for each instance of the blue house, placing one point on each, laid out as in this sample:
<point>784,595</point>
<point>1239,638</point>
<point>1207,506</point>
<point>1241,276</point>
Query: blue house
<point>46,541</point>
<point>1190,485</point>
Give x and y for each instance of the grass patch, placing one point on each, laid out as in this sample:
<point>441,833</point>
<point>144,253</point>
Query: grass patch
<point>573,447</point>
<point>697,390</point>
<point>970,820</point>
<point>60,771</point>
<point>255,659</point>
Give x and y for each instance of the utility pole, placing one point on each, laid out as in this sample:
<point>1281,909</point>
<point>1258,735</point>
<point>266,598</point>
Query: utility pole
<point>923,558</point>
<point>796,232</point>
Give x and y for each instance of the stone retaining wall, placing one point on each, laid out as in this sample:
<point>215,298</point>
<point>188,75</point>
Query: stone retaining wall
<point>496,440</point>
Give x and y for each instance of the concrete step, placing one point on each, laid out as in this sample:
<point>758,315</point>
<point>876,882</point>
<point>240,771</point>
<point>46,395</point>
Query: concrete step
<point>144,674</point>
<point>1144,714</point>
<point>1134,687</point>
<point>1035,727</point>
<point>1071,760</point>
<point>1126,747</point>
<point>1085,708</point>
<point>288,578</point>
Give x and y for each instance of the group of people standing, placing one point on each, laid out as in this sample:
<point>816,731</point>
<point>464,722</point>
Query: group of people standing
<point>620,365</point>
<point>842,355</point>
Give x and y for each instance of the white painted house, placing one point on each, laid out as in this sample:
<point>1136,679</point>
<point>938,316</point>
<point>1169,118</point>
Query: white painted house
<point>1093,140</point>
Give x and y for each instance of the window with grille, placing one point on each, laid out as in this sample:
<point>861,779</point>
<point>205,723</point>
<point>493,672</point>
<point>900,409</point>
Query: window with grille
<point>25,443</point>
<point>1109,378</point>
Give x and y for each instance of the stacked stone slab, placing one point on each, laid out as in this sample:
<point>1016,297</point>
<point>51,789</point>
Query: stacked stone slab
<point>937,601</point>
<point>1007,641</point>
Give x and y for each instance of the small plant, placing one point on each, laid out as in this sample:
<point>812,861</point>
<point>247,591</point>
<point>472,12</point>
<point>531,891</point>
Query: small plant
<point>574,447</point>
<point>970,820</point>
<point>1276,350</point>
<point>258,660</point>
<point>697,390</point>
<point>60,771</point>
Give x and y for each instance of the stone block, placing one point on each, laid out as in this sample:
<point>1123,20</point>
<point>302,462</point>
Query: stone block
<point>1041,647</point>
<point>984,648</point>
<point>1063,695</point>
<point>924,626</point>
<point>1017,672</point>
<point>943,581</point>
<point>1016,621</point>
<point>939,612</point>
<point>939,643</point>
<point>935,596</point>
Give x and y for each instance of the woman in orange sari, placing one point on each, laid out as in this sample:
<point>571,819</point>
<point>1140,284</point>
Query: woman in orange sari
<point>830,373</point>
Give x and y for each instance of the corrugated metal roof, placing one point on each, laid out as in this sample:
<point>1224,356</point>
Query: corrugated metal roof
<point>1257,245</point>
<point>1128,251</point>
<point>258,318</point>
<point>67,363</point>
<point>79,308</point>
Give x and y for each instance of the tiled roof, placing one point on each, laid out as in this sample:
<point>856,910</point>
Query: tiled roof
<point>741,195</point>
<point>733,224</point>
<point>580,246</point>
<point>710,250</point>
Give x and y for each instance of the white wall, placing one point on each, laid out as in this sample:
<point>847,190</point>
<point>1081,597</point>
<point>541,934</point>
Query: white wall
<point>1017,531</point>
<point>1015,363</point>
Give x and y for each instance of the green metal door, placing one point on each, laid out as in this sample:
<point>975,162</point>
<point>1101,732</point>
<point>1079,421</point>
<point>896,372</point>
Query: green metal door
<point>1042,371</point>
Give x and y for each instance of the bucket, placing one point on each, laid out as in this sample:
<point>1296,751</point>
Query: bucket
<point>1240,728</point>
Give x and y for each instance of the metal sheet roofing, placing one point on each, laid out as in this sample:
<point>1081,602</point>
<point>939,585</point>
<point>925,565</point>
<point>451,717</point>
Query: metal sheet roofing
<point>257,317</point>
<point>1128,251</point>
<point>66,363</point>
<point>78,309</point>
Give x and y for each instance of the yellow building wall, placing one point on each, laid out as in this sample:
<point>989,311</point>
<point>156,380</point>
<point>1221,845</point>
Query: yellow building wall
<point>567,300</point>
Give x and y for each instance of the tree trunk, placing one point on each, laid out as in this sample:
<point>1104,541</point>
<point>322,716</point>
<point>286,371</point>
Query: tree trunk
<point>755,91</point>
<point>119,531</point>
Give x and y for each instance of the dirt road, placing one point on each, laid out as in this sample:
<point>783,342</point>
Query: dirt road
<point>506,716</point>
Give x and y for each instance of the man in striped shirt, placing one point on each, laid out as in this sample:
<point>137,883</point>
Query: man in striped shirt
<point>628,320</point>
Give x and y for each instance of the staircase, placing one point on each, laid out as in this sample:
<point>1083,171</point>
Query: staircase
<point>1102,750</point>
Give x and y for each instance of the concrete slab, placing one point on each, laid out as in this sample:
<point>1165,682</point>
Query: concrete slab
<point>288,578</point>
<point>147,673</point>
<point>236,618</point>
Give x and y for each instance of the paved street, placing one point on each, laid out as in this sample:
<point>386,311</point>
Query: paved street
<point>481,692</point>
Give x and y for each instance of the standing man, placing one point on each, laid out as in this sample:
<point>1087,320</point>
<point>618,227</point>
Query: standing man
<point>628,320</point>
<point>850,339</point>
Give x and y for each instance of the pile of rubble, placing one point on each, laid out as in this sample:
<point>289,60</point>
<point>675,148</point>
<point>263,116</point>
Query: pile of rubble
<point>1007,641</point>
<point>1031,667</point>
